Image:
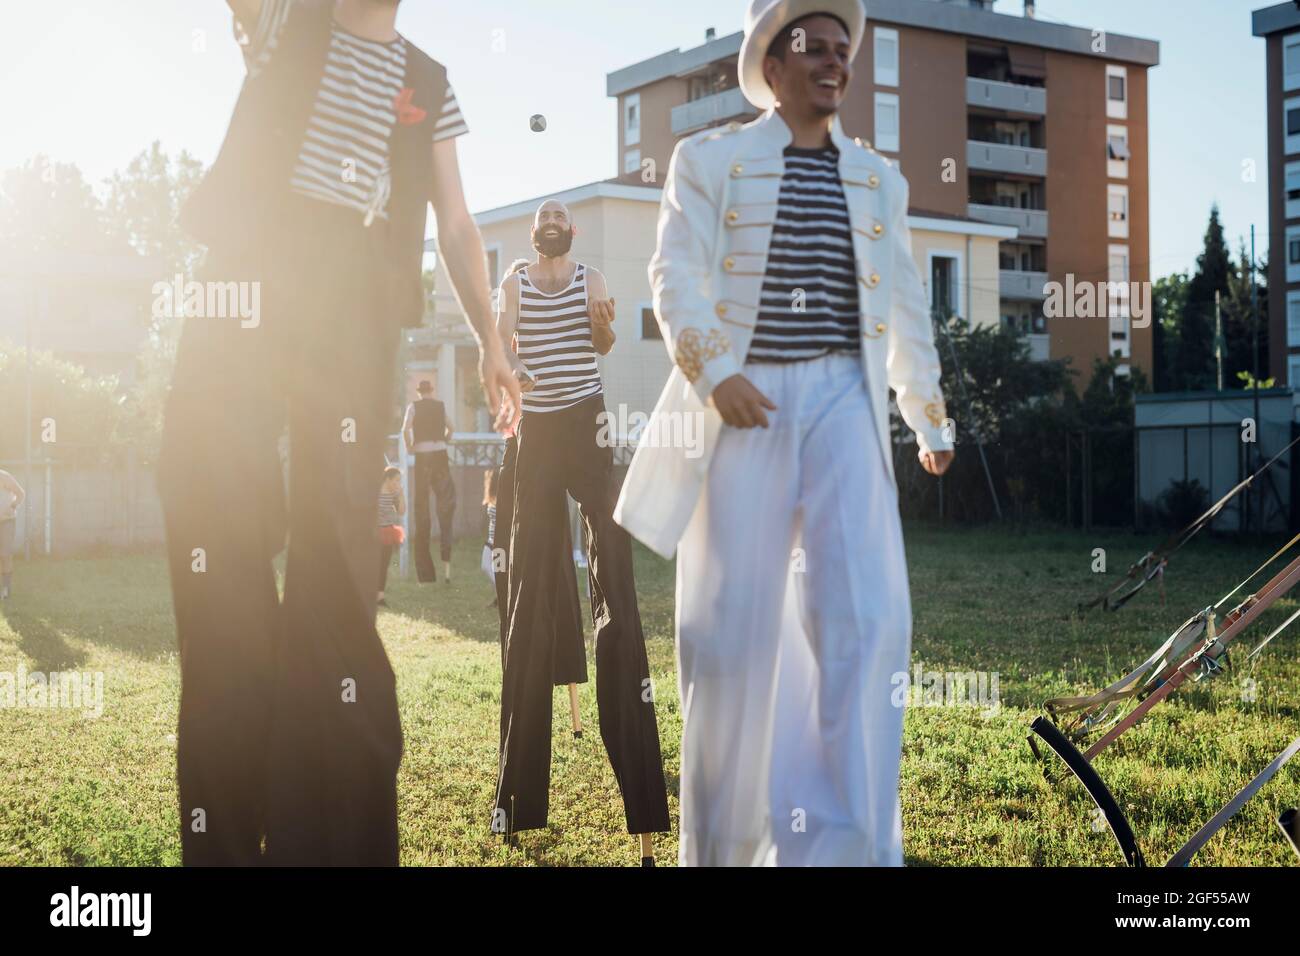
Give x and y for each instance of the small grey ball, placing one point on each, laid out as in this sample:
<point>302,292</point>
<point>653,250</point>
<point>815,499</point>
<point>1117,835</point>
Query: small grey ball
<point>538,123</point>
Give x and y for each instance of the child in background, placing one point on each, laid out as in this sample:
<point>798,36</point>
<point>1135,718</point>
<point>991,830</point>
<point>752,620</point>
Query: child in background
<point>392,505</point>
<point>490,480</point>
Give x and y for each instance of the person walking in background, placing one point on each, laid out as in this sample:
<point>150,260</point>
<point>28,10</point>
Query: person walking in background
<point>289,738</point>
<point>426,430</point>
<point>392,505</point>
<point>11,497</point>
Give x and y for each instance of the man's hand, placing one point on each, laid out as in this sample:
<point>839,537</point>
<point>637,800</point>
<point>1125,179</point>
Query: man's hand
<point>740,404</point>
<point>500,386</point>
<point>601,311</point>
<point>936,462</point>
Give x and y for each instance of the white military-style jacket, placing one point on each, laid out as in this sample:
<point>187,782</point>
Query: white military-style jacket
<point>715,225</point>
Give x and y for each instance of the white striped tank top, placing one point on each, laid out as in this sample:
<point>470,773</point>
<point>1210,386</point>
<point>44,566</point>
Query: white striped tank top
<point>555,344</point>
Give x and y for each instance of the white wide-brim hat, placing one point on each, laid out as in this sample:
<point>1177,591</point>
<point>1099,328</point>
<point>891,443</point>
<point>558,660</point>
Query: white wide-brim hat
<point>765,19</point>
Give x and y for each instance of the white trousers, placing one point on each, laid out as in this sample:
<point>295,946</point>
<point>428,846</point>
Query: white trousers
<point>793,618</point>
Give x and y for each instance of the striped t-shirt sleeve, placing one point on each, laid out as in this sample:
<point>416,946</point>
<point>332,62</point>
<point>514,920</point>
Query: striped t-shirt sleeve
<point>265,34</point>
<point>450,121</point>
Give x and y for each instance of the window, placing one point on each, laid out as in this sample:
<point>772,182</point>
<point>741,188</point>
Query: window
<point>1117,153</point>
<point>1293,253</point>
<point>1293,371</point>
<point>945,284</point>
<point>632,120</point>
<point>1118,265</point>
<point>492,255</point>
<point>887,122</point>
<point>1116,92</point>
<point>1292,188</point>
<point>632,161</point>
<point>1291,123</point>
<point>649,324</point>
<point>1117,211</point>
<point>1117,297</point>
<point>1293,322</point>
<point>885,56</point>
<point>1291,62</point>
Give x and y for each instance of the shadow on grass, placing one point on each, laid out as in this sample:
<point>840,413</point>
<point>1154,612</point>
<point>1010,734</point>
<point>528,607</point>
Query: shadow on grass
<point>43,642</point>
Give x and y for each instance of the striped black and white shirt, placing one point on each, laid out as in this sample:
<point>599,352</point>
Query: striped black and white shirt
<point>809,304</point>
<point>555,344</point>
<point>388,509</point>
<point>344,155</point>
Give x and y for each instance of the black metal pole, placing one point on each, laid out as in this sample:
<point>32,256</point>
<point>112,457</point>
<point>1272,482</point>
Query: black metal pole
<point>961,385</point>
<point>1254,321</point>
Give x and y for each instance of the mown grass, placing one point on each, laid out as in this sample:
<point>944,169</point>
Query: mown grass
<point>101,791</point>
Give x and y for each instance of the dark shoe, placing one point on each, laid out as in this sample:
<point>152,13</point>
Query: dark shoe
<point>648,861</point>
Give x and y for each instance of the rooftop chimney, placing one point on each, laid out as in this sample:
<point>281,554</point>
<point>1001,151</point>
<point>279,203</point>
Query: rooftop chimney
<point>710,34</point>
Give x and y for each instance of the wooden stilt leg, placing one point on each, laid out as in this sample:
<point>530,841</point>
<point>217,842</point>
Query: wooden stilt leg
<point>647,849</point>
<point>574,714</point>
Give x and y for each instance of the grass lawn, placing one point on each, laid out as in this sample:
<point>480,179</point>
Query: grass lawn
<point>101,791</point>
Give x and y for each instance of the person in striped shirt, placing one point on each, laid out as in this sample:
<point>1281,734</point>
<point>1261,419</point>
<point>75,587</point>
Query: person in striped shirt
<point>344,154</point>
<point>560,311</point>
<point>343,135</point>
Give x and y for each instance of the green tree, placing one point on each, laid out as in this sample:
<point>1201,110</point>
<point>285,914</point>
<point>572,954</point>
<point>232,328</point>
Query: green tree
<point>1239,321</point>
<point>1195,363</point>
<point>1168,301</point>
<point>143,202</point>
<point>85,411</point>
<point>48,208</point>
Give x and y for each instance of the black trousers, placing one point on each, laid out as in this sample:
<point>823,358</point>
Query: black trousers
<point>570,637</point>
<point>288,730</point>
<point>559,452</point>
<point>432,475</point>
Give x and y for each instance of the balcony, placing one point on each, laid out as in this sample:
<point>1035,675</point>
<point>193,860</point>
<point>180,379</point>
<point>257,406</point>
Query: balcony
<point>1040,349</point>
<point>1032,223</point>
<point>1014,284</point>
<point>1001,158</point>
<point>1012,97</point>
<point>709,111</point>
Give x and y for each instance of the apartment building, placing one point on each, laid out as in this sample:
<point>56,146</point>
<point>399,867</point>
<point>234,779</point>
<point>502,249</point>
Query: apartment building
<point>1006,122</point>
<point>1279,26</point>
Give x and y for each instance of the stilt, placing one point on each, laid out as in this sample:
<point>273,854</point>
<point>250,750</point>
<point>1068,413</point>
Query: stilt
<point>574,715</point>
<point>647,849</point>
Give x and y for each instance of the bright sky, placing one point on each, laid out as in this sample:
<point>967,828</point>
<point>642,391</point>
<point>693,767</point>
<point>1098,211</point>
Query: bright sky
<point>93,82</point>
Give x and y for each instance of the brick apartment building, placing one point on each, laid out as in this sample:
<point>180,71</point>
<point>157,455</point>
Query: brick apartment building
<point>1279,26</point>
<point>995,119</point>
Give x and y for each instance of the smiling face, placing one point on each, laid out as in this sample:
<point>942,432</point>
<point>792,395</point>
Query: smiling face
<point>810,71</point>
<point>552,229</point>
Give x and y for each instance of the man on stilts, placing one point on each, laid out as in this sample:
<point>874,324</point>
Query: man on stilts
<point>289,739</point>
<point>785,287</point>
<point>561,313</point>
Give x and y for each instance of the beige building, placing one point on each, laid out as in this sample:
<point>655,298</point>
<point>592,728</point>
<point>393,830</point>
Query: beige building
<point>616,223</point>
